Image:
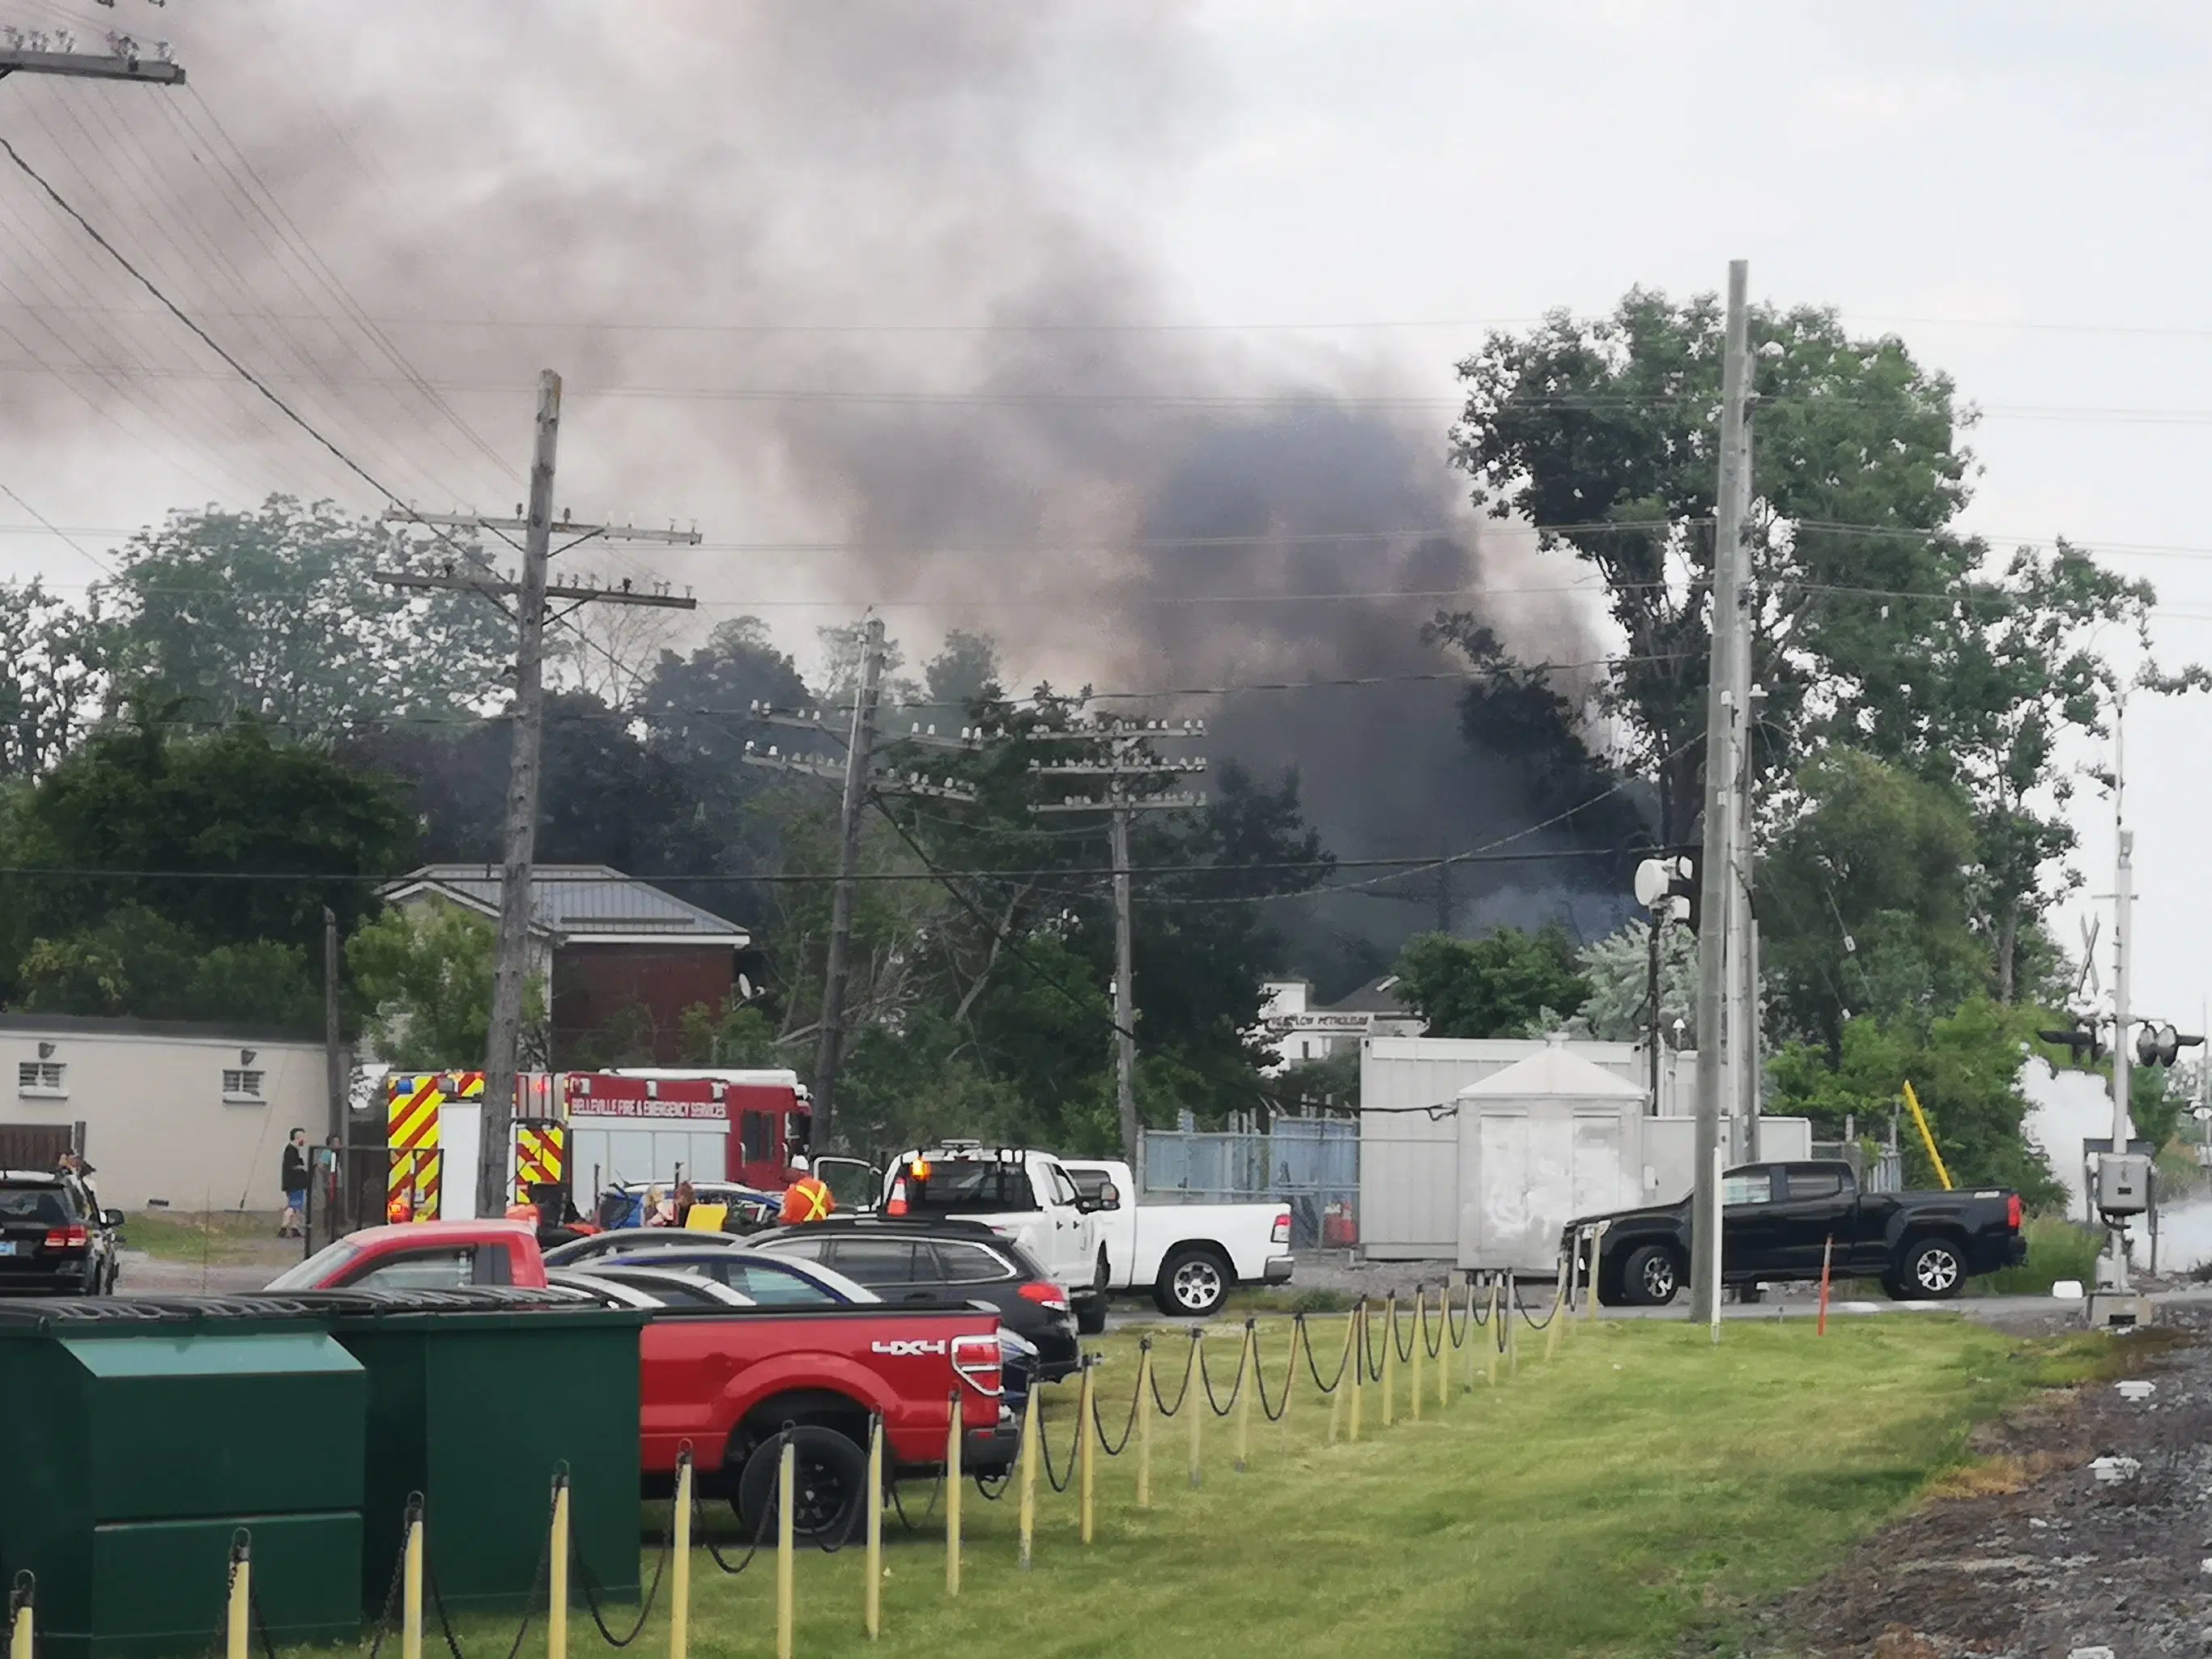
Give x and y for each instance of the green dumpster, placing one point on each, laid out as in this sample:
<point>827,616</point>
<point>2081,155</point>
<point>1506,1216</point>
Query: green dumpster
<point>139,1437</point>
<point>475,1399</point>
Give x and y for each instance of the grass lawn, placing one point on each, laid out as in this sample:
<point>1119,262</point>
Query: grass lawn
<point>1639,1493</point>
<point>222,1235</point>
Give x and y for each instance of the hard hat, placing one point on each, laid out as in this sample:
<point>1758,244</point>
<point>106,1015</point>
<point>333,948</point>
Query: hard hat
<point>799,1164</point>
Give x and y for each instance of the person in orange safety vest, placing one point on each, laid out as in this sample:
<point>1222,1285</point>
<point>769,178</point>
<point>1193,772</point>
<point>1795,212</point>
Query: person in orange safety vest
<point>807,1198</point>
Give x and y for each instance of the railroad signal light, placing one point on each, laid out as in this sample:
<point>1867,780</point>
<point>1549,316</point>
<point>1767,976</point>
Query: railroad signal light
<point>2162,1045</point>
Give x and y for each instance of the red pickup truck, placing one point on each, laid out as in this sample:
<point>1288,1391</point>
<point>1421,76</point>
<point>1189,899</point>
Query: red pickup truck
<point>728,1381</point>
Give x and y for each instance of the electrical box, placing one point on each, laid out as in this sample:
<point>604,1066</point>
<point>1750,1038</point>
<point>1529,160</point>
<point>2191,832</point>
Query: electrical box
<point>2123,1183</point>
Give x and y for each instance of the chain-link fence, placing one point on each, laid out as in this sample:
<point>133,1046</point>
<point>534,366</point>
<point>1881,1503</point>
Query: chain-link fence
<point>1310,1163</point>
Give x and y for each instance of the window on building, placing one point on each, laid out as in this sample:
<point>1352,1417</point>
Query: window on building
<point>42,1079</point>
<point>241,1085</point>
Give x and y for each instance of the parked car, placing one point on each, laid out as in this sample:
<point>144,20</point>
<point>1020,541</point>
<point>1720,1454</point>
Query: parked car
<point>1188,1257</point>
<point>1020,1192</point>
<point>660,1287</point>
<point>726,1380</point>
<point>942,1261</point>
<point>627,1241</point>
<point>794,1281</point>
<point>54,1235</point>
<point>1778,1219</point>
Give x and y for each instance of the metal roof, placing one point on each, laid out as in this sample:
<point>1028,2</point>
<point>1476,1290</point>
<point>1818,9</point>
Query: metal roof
<point>576,900</point>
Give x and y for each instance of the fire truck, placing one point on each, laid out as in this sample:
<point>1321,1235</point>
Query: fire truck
<point>592,1130</point>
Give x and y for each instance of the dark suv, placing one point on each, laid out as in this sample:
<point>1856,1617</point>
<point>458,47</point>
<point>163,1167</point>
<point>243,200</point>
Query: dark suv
<point>54,1235</point>
<point>942,1259</point>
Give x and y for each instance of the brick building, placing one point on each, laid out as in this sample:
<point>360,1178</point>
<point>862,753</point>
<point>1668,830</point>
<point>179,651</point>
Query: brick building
<point>615,951</point>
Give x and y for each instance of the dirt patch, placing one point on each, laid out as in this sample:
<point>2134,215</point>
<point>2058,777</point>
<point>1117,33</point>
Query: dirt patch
<point>2027,1550</point>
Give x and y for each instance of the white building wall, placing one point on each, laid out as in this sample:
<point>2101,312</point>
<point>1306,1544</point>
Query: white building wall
<point>157,1125</point>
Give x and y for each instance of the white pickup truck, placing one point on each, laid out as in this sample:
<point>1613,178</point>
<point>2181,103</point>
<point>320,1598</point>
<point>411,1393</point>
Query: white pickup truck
<point>1078,1219</point>
<point>1188,1256</point>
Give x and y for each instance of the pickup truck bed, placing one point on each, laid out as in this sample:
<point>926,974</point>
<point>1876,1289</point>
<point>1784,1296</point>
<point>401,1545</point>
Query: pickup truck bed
<point>1779,1220</point>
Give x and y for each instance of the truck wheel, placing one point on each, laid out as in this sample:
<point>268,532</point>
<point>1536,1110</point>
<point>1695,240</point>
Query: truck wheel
<point>1933,1271</point>
<point>830,1486</point>
<point>1649,1278</point>
<point>1193,1282</point>
<point>1090,1311</point>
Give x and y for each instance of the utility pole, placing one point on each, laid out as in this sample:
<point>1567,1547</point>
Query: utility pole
<point>2124,893</point>
<point>1724,779</point>
<point>1125,763</point>
<point>531,596</point>
<point>830,1043</point>
<point>333,1053</point>
<point>39,52</point>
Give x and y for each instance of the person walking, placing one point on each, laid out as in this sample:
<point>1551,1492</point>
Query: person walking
<point>295,1183</point>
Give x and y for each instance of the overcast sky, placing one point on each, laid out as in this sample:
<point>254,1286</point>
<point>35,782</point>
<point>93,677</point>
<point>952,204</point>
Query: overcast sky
<point>1346,191</point>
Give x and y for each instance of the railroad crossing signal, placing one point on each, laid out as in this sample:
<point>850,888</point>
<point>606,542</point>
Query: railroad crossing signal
<point>2160,1045</point>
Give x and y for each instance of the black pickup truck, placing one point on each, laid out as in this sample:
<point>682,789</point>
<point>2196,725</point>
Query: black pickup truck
<point>1778,1218</point>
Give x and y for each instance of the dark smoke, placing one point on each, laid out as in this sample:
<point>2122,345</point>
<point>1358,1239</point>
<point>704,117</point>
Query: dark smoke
<point>523,183</point>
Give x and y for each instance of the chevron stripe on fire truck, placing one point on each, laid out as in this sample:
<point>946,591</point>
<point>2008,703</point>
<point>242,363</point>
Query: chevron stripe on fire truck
<point>539,1153</point>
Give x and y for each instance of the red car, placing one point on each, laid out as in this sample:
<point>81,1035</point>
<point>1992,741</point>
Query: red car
<point>728,1381</point>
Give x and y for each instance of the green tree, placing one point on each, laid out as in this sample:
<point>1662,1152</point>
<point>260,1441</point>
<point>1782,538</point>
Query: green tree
<point>1964,1068</point>
<point>424,976</point>
<point>1496,985</point>
<point>1863,899</point>
<point>1606,431</point>
<point>134,963</point>
<point>1617,969</point>
<point>277,614</point>
<point>53,673</point>
<point>231,837</point>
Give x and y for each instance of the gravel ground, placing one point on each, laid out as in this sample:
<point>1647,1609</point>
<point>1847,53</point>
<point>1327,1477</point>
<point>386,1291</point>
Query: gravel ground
<point>2028,1552</point>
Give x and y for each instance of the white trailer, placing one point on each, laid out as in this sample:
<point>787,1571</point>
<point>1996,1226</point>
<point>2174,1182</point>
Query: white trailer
<point>1458,1163</point>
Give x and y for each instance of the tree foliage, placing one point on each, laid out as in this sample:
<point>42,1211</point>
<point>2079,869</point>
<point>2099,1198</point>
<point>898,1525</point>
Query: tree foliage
<point>52,675</point>
<point>276,614</point>
<point>1863,899</point>
<point>424,977</point>
<point>1964,1067</point>
<point>1497,985</point>
<point>233,838</point>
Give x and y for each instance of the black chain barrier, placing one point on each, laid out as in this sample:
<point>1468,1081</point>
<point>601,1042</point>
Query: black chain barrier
<point>388,1621</point>
<point>1274,1413</point>
<point>1436,1349</point>
<point>1244,1360</point>
<point>936,1490</point>
<point>538,1584</point>
<point>1059,1483</point>
<point>1189,1368</point>
<point>1373,1373</point>
<point>1136,1398</point>
<point>1406,1352</point>
<point>589,1580</point>
<point>1535,1323</point>
<point>1344,1360</point>
<point>760,1535</point>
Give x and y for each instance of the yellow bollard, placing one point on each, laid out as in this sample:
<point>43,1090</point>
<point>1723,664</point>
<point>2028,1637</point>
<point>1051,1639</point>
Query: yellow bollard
<point>1556,1327</point>
<point>1290,1379</point>
<point>556,1600</point>
<point>952,1498</point>
<point>1420,1344</point>
<point>1248,1379</point>
<point>1445,1346</point>
<point>238,1615</point>
<point>22,1635</point>
<point>1512,1311</point>
<point>786,1499</point>
<point>1086,1446</point>
<point>1194,1401</point>
<point>1598,1243</point>
<point>1342,1391</point>
<point>1145,1423</point>
<point>1029,1475</point>
<point>1358,1371</point>
<point>872,1599</point>
<point>679,1563</point>
<point>1390,1360</point>
<point>411,1589</point>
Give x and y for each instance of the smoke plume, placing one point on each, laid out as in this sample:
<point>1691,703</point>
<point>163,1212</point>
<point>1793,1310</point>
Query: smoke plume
<point>862,287</point>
